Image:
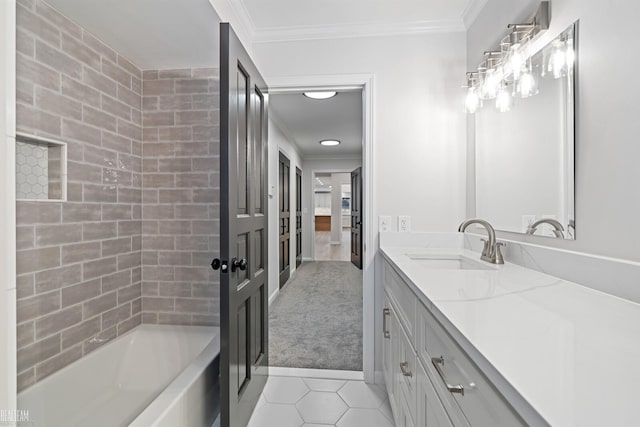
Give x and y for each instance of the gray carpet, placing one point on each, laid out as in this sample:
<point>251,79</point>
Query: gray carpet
<point>316,321</point>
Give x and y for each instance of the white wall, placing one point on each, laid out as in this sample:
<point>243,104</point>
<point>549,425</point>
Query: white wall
<point>309,167</point>
<point>278,142</point>
<point>7,207</point>
<point>419,132</point>
<point>418,144</point>
<point>607,125</point>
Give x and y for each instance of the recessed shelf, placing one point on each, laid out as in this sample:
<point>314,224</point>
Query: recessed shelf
<point>41,169</point>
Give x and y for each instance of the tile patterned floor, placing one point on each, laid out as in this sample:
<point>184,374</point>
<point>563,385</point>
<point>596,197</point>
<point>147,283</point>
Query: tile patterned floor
<point>308,402</point>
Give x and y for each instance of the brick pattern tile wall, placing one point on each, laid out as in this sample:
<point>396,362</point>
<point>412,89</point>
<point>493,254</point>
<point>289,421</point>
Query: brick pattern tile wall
<point>180,196</point>
<point>79,261</point>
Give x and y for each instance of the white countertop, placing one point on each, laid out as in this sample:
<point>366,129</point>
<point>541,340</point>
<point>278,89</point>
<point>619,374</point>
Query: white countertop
<point>571,352</point>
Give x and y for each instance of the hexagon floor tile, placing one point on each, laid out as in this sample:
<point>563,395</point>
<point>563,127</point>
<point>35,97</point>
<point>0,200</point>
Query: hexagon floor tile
<point>356,417</point>
<point>271,415</point>
<point>316,384</point>
<point>284,390</point>
<point>321,407</point>
<point>358,394</point>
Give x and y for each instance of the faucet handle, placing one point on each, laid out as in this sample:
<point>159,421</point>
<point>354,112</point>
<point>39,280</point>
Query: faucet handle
<point>499,257</point>
<point>486,250</point>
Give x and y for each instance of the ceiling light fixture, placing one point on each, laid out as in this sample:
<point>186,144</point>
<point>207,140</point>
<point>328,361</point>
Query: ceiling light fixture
<point>321,94</point>
<point>329,142</point>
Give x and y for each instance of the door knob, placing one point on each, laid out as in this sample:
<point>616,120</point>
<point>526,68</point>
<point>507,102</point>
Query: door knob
<point>218,264</point>
<point>238,263</point>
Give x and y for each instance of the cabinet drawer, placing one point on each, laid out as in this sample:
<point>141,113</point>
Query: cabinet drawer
<point>403,299</point>
<point>481,403</point>
<point>431,410</point>
<point>406,373</point>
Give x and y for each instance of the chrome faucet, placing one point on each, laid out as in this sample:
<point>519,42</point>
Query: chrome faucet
<point>557,227</point>
<point>491,251</point>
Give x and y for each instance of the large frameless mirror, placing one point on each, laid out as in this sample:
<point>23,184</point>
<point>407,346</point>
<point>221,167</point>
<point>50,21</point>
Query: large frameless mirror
<point>525,138</point>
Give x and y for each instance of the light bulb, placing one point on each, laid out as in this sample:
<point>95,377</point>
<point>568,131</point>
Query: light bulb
<point>490,85</point>
<point>516,60</point>
<point>527,85</point>
<point>558,59</point>
<point>472,100</point>
<point>504,100</point>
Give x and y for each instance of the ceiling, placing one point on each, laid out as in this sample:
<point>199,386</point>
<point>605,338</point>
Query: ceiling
<point>296,19</point>
<point>308,121</point>
<point>166,33</point>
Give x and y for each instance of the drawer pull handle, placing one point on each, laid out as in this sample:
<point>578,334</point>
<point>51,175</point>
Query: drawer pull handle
<point>385,312</point>
<point>437,361</point>
<point>404,367</point>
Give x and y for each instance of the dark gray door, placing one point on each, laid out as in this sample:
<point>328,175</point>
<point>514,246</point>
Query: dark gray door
<point>298,217</point>
<point>243,232</point>
<point>284,179</point>
<point>356,218</point>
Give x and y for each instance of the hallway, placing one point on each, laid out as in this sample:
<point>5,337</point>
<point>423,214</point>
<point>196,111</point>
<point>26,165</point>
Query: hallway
<point>326,251</point>
<point>316,321</point>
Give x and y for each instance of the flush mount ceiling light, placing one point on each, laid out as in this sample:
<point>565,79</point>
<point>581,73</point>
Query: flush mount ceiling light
<point>329,142</point>
<point>321,94</point>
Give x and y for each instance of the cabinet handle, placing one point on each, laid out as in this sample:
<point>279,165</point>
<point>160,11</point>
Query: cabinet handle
<point>404,367</point>
<point>437,361</point>
<point>385,312</point>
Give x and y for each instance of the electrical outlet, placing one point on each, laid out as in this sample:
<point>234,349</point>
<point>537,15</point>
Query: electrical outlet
<point>527,220</point>
<point>404,223</point>
<point>384,223</point>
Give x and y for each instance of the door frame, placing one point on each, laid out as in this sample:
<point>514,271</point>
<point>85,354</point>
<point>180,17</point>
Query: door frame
<point>8,370</point>
<point>365,83</point>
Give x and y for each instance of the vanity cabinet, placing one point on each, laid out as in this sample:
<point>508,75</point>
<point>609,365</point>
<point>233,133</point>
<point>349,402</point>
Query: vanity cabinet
<point>430,380</point>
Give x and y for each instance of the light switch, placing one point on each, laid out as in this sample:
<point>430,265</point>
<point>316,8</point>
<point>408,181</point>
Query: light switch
<point>384,223</point>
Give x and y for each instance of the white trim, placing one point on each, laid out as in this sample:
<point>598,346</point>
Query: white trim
<point>366,83</point>
<point>274,296</point>
<point>8,370</point>
<point>339,31</point>
<point>325,374</point>
<point>472,11</point>
<point>336,157</point>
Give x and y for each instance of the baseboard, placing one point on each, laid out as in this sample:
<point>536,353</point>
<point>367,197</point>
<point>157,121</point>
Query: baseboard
<point>274,296</point>
<point>379,378</point>
<point>327,374</point>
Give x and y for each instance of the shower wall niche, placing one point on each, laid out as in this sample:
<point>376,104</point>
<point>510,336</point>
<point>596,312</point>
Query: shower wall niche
<point>132,238</point>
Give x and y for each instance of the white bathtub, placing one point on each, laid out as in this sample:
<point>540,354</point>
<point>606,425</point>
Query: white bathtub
<point>152,376</point>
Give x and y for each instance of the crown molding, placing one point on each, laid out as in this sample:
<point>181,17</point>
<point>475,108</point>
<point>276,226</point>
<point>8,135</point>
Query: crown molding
<point>325,32</point>
<point>472,11</point>
<point>279,123</point>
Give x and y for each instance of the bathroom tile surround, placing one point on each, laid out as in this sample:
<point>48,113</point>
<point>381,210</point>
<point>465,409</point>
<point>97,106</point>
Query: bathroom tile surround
<point>181,209</point>
<point>141,216</point>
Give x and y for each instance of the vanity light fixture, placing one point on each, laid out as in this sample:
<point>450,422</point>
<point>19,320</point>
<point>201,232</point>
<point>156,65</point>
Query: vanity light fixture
<point>320,94</point>
<point>508,71</point>
<point>472,100</point>
<point>329,142</point>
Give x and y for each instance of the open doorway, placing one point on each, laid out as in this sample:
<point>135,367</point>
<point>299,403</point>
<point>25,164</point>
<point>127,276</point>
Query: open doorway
<point>332,215</point>
<point>316,317</point>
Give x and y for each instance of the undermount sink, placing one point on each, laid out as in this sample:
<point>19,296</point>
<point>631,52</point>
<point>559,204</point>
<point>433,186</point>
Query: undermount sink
<point>448,262</point>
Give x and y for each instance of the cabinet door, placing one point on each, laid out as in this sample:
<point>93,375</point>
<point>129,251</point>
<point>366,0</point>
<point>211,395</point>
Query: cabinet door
<point>431,412</point>
<point>404,418</point>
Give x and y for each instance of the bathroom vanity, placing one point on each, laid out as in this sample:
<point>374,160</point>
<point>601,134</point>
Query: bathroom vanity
<point>469,343</point>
